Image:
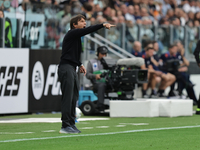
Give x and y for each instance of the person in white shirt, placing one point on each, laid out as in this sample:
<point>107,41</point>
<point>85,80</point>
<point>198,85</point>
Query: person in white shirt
<point>130,14</point>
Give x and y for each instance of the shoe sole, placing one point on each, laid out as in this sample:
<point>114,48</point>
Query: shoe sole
<point>68,132</point>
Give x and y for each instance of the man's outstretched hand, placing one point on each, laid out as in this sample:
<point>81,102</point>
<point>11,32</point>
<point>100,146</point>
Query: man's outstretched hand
<point>83,70</point>
<point>108,25</point>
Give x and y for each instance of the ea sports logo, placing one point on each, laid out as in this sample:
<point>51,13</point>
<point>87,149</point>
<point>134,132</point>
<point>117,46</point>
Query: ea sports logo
<point>38,80</point>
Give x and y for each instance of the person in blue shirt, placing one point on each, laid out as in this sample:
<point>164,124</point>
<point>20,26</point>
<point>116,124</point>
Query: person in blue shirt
<point>156,75</point>
<point>179,68</point>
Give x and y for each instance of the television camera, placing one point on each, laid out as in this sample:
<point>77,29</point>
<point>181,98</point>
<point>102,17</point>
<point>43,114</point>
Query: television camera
<point>122,76</point>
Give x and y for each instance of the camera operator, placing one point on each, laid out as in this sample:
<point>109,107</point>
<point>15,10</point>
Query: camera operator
<point>197,57</point>
<point>166,78</point>
<point>179,70</point>
<point>96,65</point>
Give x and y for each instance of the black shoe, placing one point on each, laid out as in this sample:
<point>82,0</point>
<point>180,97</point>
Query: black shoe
<point>68,130</point>
<point>197,112</point>
<point>161,95</point>
<point>75,128</point>
<point>171,94</point>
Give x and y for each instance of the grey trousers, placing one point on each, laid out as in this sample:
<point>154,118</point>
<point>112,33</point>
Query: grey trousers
<point>70,92</point>
<point>100,89</point>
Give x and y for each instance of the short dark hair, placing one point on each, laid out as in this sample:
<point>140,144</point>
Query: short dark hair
<point>172,45</point>
<point>148,48</point>
<point>87,6</point>
<point>75,20</point>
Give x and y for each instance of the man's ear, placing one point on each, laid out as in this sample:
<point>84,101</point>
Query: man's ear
<point>74,25</point>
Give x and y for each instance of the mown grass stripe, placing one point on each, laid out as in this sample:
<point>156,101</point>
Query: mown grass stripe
<point>109,133</point>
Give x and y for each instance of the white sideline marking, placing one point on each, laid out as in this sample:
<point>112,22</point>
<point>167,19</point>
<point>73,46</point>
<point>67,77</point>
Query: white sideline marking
<point>16,132</point>
<point>87,128</point>
<point>135,124</point>
<point>120,125</point>
<point>109,133</point>
<point>49,131</point>
<point>46,120</point>
<point>102,127</point>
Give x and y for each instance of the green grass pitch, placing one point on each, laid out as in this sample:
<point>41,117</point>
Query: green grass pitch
<point>179,133</point>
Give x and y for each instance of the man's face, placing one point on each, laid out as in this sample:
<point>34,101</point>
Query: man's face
<point>81,24</point>
<point>102,55</point>
<point>137,47</point>
<point>1,14</point>
<point>173,50</point>
<point>150,52</point>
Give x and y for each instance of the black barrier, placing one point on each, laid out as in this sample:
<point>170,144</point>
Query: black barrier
<point>44,88</point>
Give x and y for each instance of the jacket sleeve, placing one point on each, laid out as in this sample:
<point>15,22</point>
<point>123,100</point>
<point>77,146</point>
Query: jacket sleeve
<point>76,33</point>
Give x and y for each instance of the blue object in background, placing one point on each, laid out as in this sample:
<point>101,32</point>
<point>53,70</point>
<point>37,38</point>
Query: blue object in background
<point>87,95</point>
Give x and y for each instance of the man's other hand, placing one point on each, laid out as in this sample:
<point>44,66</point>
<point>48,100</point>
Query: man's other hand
<point>83,70</point>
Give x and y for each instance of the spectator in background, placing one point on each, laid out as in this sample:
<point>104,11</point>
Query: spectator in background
<point>164,21</point>
<point>8,31</point>
<point>137,12</point>
<point>144,14</point>
<point>97,9</point>
<point>136,2</point>
<point>119,13</point>
<point>67,16</point>
<point>197,16</point>
<point>187,7</point>
<point>87,10</point>
<point>170,14</point>
<point>121,19</point>
<point>165,7</point>
<point>113,13</point>
<point>123,9</point>
<point>156,50</point>
<point>137,49</point>
<point>107,13</point>
<point>153,72</point>
<point>196,55</point>
<point>24,7</point>
<point>179,13</point>
<point>191,16</point>
<point>132,29</point>
<point>130,15</point>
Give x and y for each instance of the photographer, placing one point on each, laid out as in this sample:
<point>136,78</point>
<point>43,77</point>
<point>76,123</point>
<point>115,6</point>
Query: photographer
<point>96,65</point>
<point>178,68</point>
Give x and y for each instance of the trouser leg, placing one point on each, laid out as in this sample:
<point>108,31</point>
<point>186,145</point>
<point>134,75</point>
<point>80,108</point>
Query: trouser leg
<point>100,88</point>
<point>198,103</point>
<point>67,77</point>
<point>74,100</point>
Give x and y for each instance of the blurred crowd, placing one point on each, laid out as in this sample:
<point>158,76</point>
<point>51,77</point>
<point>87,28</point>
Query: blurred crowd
<point>130,13</point>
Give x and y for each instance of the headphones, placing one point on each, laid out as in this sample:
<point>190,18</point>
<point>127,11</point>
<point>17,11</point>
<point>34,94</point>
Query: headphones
<point>102,49</point>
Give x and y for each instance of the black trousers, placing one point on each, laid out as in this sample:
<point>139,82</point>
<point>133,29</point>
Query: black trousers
<point>70,92</point>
